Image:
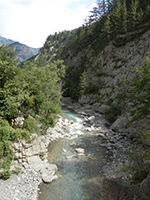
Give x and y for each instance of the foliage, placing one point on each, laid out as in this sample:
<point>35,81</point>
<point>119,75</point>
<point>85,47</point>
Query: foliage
<point>32,89</point>
<point>138,165</point>
<point>112,113</point>
<point>7,135</point>
<point>30,124</point>
<point>139,94</point>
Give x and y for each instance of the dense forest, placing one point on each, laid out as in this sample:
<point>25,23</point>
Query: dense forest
<point>34,90</point>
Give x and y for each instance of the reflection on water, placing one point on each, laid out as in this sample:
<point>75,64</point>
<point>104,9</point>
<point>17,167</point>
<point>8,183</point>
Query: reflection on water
<point>79,175</point>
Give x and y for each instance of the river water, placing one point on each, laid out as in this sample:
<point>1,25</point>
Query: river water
<point>79,176</point>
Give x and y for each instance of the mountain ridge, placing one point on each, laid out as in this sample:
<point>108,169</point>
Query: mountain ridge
<point>23,52</point>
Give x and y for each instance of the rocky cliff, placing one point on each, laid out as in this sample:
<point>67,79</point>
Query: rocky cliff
<point>107,73</point>
<point>114,188</point>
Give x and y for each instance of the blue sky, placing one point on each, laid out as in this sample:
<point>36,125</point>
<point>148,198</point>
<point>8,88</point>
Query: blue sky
<point>31,21</point>
<point>74,5</point>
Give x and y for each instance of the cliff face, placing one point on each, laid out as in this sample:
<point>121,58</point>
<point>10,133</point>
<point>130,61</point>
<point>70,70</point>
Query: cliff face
<point>119,189</point>
<point>113,64</point>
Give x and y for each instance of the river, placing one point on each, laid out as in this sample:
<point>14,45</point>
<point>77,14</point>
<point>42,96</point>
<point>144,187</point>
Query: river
<point>80,176</point>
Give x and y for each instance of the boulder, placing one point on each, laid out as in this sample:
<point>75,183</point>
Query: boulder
<point>120,124</point>
<point>90,120</point>
<point>80,150</point>
<point>48,173</point>
<point>145,186</point>
<point>85,99</point>
<point>102,108</point>
<point>47,170</point>
<point>35,148</point>
<point>17,122</point>
<point>118,188</point>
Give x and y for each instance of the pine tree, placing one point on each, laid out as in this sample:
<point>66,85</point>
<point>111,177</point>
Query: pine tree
<point>117,16</point>
<point>134,13</point>
<point>124,16</point>
<point>107,28</point>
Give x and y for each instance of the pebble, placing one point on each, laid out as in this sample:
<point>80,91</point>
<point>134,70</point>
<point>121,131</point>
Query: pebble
<point>22,187</point>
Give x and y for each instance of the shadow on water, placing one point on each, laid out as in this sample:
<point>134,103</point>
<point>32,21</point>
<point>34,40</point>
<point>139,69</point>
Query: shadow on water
<point>79,175</point>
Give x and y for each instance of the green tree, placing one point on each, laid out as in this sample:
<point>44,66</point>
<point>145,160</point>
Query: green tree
<point>8,67</point>
<point>124,16</point>
<point>117,16</point>
<point>8,70</point>
<point>107,28</point>
<point>140,92</point>
<point>83,82</point>
<point>136,14</point>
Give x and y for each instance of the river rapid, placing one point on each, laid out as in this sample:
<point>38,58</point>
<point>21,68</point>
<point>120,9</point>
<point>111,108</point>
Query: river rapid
<point>79,174</point>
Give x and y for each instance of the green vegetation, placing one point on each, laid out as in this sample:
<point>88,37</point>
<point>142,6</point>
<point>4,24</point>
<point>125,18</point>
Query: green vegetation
<point>139,94</point>
<point>112,113</point>
<point>139,97</point>
<point>34,90</point>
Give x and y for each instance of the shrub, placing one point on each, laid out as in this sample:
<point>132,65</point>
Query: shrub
<point>30,124</point>
<point>112,113</point>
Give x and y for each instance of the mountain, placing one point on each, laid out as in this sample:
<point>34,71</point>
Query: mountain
<point>23,52</point>
<point>5,41</point>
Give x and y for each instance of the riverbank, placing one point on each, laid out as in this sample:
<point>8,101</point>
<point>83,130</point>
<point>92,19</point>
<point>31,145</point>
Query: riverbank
<point>117,139</point>
<point>23,183</point>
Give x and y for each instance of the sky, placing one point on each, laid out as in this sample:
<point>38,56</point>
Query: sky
<point>30,22</point>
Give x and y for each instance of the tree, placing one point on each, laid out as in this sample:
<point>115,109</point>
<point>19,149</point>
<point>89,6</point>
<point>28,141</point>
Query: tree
<point>124,16</point>
<point>83,82</point>
<point>140,93</point>
<point>117,16</point>
<point>107,28</point>
<point>8,63</point>
<point>134,14</point>
<point>8,69</point>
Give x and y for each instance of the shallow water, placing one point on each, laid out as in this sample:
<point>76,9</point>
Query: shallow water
<point>79,175</point>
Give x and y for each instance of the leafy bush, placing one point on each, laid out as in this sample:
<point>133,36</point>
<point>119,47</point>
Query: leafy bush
<point>30,124</point>
<point>139,94</point>
<point>7,135</point>
<point>91,89</point>
<point>112,113</point>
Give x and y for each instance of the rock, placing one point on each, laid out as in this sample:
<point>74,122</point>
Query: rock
<point>118,188</point>
<point>96,107</point>
<point>91,120</point>
<point>35,148</point>
<point>84,99</point>
<point>102,108</point>
<point>80,150</point>
<point>120,124</point>
<point>48,173</point>
<point>88,129</point>
<point>47,170</point>
<point>145,186</point>
<point>70,157</point>
<point>17,122</point>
